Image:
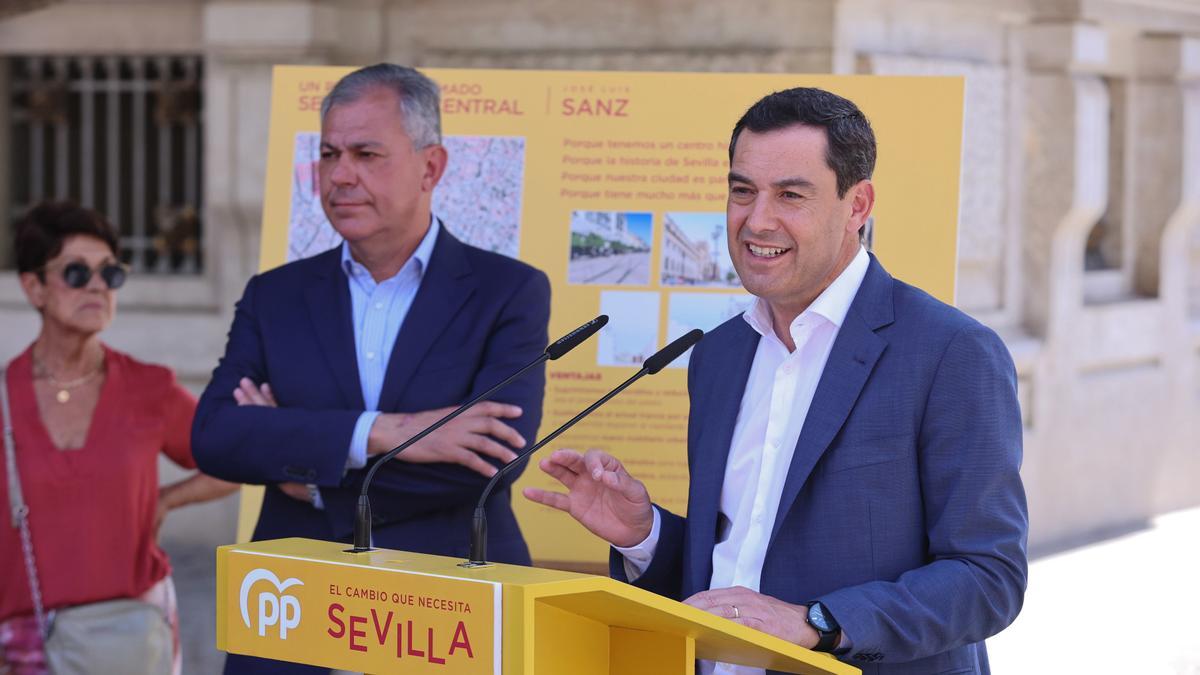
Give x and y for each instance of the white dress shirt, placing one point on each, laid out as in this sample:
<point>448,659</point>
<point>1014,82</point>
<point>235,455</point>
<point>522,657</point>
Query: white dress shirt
<point>377,311</point>
<point>774,405</point>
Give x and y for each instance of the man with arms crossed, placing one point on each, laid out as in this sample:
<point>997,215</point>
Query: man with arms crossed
<point>853,443</point>
<point>336,359</point>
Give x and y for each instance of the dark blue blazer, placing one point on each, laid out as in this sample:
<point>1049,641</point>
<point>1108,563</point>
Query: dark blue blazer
<point>476,319</point>
<point>903,510</point>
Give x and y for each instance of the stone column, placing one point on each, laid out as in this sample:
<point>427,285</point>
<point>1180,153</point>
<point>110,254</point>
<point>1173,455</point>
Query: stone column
<point>1158,109</point>
<point>1065,192</point>
<point>1066,180</point>
<point>242,41</point>
<point>1168,194</point>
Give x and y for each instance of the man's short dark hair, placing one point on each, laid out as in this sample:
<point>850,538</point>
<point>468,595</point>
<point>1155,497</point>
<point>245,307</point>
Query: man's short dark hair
<point>40,234</point>
<point>850,142</point>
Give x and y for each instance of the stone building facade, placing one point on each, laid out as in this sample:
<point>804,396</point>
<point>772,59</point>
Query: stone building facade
<point>1080,207</point>
<point>684,260</point>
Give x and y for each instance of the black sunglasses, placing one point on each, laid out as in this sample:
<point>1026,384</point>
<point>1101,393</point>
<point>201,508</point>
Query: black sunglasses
<point>77,274</point>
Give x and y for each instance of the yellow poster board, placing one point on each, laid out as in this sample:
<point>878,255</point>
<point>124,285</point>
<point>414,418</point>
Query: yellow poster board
<point>614,184</point>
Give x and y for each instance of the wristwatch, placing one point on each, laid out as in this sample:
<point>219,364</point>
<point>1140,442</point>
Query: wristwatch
<point>829,633</point>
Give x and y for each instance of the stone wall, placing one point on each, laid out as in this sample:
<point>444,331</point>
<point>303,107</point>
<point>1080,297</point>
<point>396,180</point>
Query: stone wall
<point>1107,358</point>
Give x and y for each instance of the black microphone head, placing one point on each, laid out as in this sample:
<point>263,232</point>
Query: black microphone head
<point>667,354</point>
<point>573,339</point>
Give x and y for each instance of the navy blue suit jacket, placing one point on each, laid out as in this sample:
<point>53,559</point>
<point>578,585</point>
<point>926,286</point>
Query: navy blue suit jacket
<point>903,510</point>
<point>477,318</point>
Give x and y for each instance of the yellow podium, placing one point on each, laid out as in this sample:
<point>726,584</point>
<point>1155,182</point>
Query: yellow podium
<point>389,611</point>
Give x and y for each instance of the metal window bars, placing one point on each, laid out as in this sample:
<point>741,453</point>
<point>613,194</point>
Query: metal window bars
<point>118,133</point>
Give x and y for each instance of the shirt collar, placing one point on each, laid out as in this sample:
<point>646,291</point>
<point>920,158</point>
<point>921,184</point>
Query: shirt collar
<point>419,258</point>
<point>832,304</point>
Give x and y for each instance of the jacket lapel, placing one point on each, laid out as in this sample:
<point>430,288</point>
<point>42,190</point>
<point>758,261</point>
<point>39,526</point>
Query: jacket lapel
<point>851,360</point>
<point>731,360</point>
<point>445,287</point>
<point>328,298</point>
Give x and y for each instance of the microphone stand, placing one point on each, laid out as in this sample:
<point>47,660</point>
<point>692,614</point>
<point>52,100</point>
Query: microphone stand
<point>659,360</point>
<point>556,349</point>
<point>478,554</point>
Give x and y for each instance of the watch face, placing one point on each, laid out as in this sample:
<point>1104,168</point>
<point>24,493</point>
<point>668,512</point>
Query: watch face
<point>816,617</point>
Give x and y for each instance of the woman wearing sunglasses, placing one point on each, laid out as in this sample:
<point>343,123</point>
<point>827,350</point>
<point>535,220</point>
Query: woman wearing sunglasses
<point>88,423</point>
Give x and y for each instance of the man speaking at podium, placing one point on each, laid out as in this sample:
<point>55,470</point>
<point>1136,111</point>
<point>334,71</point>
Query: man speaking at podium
<point>853,444</point>
<point>340,357</point>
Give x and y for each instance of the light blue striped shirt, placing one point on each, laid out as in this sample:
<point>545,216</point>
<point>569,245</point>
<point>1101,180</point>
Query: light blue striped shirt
<point>378,311</point>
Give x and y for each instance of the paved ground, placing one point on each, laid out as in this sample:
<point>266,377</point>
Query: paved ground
<point>627,268</point>
<point>1124,606</point>
<point>196,584</point>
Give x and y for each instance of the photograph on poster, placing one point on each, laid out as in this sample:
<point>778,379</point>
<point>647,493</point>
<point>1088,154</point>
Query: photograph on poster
<point>705,311</point>
<point>695,251</point>
<point>632,331</point>
<point>478,198</point>
<point>610,247</point>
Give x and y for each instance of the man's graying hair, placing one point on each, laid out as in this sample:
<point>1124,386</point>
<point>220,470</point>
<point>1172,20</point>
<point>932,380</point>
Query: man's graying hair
<point>419,98</point>
<point>850,143</point>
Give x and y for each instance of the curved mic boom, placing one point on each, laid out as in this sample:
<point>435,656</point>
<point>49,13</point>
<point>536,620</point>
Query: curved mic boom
<point>555,350</point>
<point>651,366</point>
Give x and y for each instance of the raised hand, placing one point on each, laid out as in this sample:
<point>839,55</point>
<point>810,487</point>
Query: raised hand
<point>601,495</point>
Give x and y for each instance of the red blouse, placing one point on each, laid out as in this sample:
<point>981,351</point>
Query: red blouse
<point>92,510</point>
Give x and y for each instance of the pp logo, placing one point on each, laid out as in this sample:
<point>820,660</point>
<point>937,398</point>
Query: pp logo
<point>274,608</point>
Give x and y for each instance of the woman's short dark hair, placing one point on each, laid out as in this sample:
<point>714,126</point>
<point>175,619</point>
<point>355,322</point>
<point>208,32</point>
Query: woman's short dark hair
<point>850,142</point>
<point>40,234</point>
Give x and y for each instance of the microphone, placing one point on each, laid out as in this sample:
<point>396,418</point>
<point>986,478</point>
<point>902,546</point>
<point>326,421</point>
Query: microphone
<point>555,350</point>
<point>651,366</point>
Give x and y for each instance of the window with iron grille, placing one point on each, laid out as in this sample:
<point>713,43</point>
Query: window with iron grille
<point>118,133</point>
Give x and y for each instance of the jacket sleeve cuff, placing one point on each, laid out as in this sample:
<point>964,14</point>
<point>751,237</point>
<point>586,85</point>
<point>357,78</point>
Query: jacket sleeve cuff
<point>638,556</point>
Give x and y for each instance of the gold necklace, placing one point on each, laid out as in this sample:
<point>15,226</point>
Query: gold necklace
<point>64,388</point>
<point>63,394</point>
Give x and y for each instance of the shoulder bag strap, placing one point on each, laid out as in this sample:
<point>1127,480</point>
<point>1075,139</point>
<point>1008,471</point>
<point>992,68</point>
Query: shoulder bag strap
<point>20,512</point>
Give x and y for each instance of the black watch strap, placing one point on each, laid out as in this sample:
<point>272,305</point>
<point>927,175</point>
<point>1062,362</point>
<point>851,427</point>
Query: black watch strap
<point>827,641</point>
